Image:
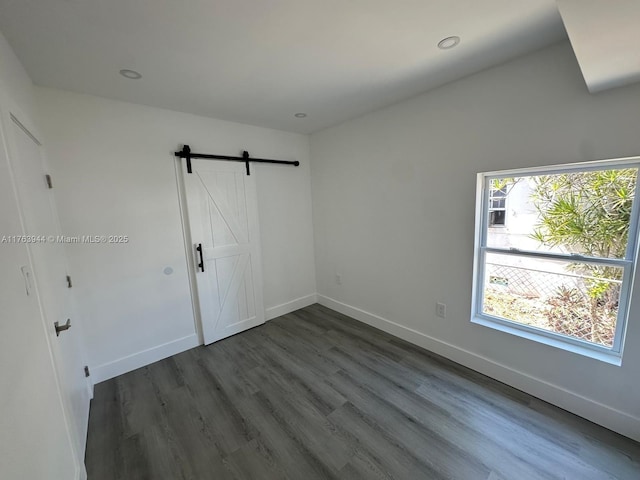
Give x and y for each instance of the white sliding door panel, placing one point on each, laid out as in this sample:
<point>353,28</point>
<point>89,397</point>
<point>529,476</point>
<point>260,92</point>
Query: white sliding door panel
<point>222,206</point>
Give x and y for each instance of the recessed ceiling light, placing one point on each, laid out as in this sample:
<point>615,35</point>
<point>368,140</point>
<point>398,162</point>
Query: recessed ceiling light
<point>132,74</point>
<point>449,42</point>
<point>300,115</point>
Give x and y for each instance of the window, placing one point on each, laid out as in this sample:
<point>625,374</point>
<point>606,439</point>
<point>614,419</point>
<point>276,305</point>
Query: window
<point>497,204</point>
<point>561,274</point>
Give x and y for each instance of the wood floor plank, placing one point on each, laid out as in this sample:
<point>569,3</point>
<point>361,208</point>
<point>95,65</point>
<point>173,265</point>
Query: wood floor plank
<point>195,438</point>
<point>317,395</point>
<point>280,436</point>
<point>363,467</point>
<point>135,459</point>
<point>298,380</point>
<point>230,429</point>
<point>104,443</point>
<point>382,452</point>
<point>255,460</point>
<point>409,433</point>
<point>308,424</point>
<point>142,400</point>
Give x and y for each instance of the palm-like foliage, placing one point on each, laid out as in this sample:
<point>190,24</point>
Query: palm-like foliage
<point>587,213</point>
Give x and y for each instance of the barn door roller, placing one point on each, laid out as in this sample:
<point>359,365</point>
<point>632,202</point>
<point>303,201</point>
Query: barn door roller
<point>187,154</point>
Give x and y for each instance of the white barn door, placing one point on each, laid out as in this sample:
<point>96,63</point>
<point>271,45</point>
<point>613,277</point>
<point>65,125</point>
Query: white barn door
<point>223,218</point>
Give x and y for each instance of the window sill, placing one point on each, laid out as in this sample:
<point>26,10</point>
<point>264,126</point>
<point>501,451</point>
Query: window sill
<point>611,358</point>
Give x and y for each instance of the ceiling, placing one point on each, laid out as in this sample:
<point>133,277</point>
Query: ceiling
<point>605,38</point>
<point>261,61</point>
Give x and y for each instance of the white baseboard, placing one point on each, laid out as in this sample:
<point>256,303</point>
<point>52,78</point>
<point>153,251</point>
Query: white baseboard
<point>292,306</point>
<point>609,417</point>
<point>140,359</point>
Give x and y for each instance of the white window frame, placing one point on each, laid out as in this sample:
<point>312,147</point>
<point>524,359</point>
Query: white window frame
<point>628,263</point>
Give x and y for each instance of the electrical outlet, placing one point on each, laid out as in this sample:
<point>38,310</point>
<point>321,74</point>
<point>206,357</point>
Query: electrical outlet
<point>441,310</point>
<point>339,278</point>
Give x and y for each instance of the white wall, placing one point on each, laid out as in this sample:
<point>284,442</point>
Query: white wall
<point>114,172</point>
<point>16,89</point>
<point>394,200</point>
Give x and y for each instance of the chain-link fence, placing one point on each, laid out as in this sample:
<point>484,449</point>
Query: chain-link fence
<point>561,302</point>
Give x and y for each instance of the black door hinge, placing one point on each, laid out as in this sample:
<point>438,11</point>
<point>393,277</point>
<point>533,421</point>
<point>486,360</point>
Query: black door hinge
<point>69,284</point>
<point>86,371</point>
<point>49,182</point>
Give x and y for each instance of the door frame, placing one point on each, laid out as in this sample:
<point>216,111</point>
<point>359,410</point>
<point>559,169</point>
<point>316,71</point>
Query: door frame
<point>191,260</point>
<point>11,114</point>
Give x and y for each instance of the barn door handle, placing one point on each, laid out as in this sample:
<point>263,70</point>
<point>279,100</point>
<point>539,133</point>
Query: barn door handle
<point>201,264</point>
<point>62,328</point>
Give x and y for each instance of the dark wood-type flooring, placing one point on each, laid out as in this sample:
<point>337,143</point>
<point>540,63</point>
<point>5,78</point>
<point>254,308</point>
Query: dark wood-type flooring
<point>318,395</point>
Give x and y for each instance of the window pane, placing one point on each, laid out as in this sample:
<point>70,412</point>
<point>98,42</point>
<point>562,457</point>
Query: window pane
<point>496,218</point>
<point>573,299</point>
<point>580,212</point>
<point>498,193</point>
<point>496,203</point>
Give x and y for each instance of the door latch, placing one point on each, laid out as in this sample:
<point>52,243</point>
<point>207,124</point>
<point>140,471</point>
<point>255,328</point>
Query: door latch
<point>62,328</point>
